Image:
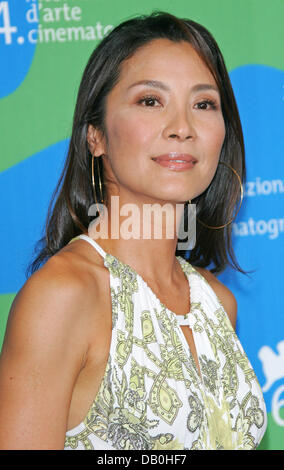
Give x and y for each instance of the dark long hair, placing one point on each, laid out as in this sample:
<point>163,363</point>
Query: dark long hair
<point>68,210</point>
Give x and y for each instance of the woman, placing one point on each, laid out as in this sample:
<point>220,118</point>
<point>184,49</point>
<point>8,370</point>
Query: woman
<point>116,343</point>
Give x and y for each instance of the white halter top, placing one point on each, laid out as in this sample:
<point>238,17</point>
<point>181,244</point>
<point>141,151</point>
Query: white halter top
<point>152,396</point>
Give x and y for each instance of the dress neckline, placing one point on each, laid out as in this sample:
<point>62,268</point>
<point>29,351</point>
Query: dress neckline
<point>181,320</point>
<point>106,256</point>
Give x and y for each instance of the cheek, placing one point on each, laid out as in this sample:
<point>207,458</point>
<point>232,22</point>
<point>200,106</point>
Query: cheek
<point>220,133</point>
<point>216,142</point>
<point>126,131</point>
<point>129,139</point>
<point>213,138</point>
<point>220,136</point>
<point>214,133</point>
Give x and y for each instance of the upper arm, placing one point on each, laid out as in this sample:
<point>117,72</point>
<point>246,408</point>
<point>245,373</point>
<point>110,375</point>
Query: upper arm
<point>224,294</point>
<point>41,356</point>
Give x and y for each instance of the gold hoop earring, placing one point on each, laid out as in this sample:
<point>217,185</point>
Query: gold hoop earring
<point>241,200</point>
<point>100,181</point>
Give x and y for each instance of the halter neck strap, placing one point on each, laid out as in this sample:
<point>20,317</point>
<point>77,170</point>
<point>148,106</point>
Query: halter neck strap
<point>94,244</point>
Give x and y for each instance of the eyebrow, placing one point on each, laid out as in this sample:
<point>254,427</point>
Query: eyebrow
<point>163,86</point>
<point>150,83</point>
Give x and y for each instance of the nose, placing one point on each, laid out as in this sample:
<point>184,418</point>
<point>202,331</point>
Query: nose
<point>180,126</point>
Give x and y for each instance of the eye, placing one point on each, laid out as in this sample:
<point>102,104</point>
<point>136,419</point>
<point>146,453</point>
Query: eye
<point>149,101</point>
<point>206,105</point>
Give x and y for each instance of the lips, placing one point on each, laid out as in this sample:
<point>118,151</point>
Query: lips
<point>176,161</point>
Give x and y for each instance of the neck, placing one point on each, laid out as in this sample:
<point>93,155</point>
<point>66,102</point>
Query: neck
<point>144,236</point>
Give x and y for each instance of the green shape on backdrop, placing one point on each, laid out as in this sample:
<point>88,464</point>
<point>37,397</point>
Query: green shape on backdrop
<point>274,436</point>
<point>5,305</point>
<point>40,111</point>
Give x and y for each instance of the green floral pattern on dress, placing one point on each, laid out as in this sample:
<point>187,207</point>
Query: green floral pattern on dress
<point>152,396</point>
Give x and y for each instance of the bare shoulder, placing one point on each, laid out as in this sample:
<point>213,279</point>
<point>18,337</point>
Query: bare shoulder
<point>56,302</point>
<point>225,295</point>
<point>51,298</point>
<point>44,350</point>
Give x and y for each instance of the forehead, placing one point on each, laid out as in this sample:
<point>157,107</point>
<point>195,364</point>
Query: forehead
<point>165,57</point>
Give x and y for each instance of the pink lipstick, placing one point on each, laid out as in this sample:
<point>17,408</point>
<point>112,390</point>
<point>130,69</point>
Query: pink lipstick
<point>176,161</point>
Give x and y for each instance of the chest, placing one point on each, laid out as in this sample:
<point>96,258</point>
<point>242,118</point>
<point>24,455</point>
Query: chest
<point>160,385</point>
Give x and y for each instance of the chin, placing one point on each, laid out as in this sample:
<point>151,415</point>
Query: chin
<point>172,198</point>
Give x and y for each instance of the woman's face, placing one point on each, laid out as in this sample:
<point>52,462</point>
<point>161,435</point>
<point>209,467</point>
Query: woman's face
<point>164,125</point>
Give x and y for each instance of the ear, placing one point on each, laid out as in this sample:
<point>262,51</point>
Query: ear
<point>96,141</point>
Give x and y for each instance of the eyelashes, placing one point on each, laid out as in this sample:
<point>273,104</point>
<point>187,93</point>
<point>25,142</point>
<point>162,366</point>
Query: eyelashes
<point>149,101</point>
<point>213,105</point>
